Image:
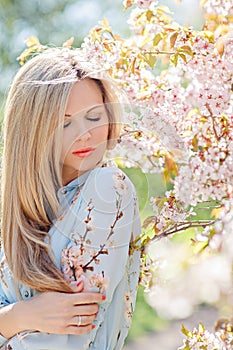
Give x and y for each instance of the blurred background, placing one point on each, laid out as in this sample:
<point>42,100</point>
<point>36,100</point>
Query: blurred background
<point>53,22</point>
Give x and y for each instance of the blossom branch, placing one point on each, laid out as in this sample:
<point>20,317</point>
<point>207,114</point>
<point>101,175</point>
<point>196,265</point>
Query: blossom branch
<point>218,138</point>
<point>151,160</point>
<point>183,226</point>
<point>158,52</point>
<point>178,227</point>
<point>87,220</point>
<point>119,214</point>
<point>128,132</point>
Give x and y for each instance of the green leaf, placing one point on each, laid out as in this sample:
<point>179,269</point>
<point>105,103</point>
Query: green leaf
<point>186,332</point>
<point>132,66</point>
<point>158,37</point>
<point>185,49</point>
<point>128,4</point>
<point>201,328</point>
<point>181,55</point>
<point>163,9</point>
<point>187,347</point>
<point>161,204</point>
<point>150,59</point>
<point>149,15</point>
<point>199,247</point>
<point>174,59</point>
<point>194,143</point>
<point>148,221</point>
<point>209,35</point>
<point>173,38</point>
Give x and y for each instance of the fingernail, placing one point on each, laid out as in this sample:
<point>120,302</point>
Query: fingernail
<point>103,297</point>
<point>92,326</point>
<point>79,283</point>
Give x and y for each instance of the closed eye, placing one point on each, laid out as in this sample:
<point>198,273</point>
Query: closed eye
<point>93,119</point>
<point>66,123</point>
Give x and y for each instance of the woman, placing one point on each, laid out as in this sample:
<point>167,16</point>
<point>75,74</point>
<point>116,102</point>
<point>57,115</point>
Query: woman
<point>68,280</point>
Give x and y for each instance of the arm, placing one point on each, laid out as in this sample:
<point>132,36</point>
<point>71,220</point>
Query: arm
<point>106,247</point>
<point>10,320</point>
<point>50,312</point>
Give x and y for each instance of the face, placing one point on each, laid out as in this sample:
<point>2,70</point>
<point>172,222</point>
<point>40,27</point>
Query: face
<point>85,130</point>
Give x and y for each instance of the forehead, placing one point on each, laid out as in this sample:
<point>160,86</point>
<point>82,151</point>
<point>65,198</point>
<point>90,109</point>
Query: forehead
<point>84,94</point>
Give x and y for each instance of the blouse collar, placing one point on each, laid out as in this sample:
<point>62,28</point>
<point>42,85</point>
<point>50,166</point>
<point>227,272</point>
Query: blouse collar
<point>67,192</point>
<point>76,183</point>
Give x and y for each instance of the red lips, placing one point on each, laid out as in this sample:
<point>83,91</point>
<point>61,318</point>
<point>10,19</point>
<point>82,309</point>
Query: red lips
<point>84,152</point>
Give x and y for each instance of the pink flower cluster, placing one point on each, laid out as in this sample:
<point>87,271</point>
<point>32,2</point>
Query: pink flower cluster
<point>205,340</point>
<point>145,3</point>
<point>106,55</point>
<point>185,112</point>
<point>73,260</point>
<point>140,3</point>
<point>218,7</point>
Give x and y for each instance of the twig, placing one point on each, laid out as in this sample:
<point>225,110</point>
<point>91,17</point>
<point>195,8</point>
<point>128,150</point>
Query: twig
<point>87,220</point>
<point>151,161</point>
<point>158,52</point>
<point>139,132</point>
<point>183,226</point>
<point>218,138</point>
<point>174,229</point>
<point>101,250</point>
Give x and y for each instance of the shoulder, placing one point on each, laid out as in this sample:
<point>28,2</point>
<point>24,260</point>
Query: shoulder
<point>110,178</point>
<point>107,185</point>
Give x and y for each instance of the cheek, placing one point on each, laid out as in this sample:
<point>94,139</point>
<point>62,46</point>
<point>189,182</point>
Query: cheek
<point>101,133</point>
<point>66,145</point>
<point>105,133</point>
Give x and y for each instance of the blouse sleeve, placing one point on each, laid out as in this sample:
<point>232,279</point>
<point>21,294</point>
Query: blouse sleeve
<point>100,222</point>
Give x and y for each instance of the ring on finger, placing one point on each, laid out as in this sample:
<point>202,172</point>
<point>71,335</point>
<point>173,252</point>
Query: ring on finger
<point>79,321</point>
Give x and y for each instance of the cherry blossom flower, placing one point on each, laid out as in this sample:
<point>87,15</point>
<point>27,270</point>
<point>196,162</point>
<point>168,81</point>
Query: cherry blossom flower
<point>119,183</point>
<point>128,308</point>
<point>178,124</point>
<point>99,281</point>
<point>218,7</point>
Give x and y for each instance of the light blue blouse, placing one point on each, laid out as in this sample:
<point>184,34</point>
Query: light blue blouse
<point>90,240</point>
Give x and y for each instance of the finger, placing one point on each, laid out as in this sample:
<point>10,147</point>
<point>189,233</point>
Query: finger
<point>85,320</point>
<point>77,286</point>
<point>87,310</point>
<point>79,330</point>
<point>86,298</point>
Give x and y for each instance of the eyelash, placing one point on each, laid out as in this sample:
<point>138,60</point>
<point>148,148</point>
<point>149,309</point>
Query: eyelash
<point>92,119</point>
<point>66,124</point>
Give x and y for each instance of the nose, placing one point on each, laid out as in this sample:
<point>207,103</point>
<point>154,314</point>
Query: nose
<point>83,134</point>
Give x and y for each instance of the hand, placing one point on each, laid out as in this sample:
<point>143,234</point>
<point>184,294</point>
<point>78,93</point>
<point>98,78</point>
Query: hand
<point>58,313</point>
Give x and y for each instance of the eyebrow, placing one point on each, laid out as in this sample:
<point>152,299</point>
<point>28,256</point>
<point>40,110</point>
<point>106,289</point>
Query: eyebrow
<point>88,111</point>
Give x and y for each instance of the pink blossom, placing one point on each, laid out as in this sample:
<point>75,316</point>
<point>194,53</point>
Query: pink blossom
<point>100,281</point>
<point>119,183</point>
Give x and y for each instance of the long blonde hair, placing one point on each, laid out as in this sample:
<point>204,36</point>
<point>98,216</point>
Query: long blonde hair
<point>34,115</point>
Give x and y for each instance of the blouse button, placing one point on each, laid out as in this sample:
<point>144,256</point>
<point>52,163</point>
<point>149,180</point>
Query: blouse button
<point>26,294</point>
<point>63,191</point>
